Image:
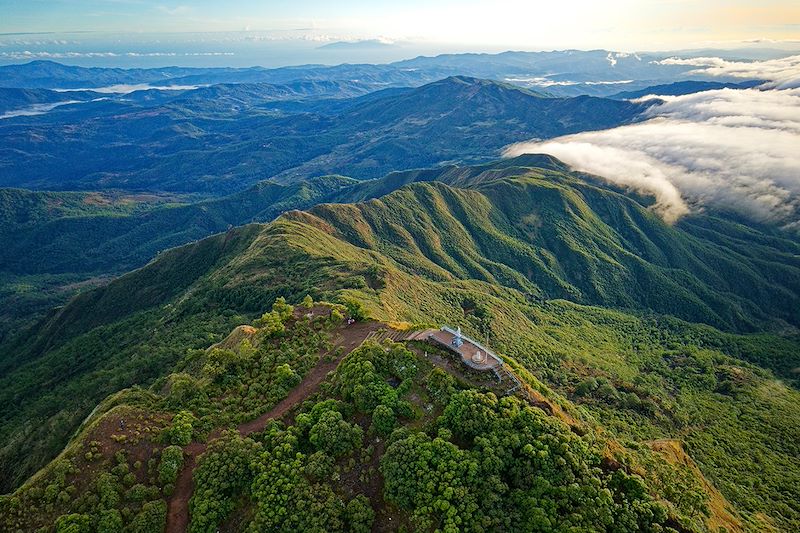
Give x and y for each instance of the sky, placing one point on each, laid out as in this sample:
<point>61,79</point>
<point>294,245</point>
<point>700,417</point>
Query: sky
<point>490,25</point>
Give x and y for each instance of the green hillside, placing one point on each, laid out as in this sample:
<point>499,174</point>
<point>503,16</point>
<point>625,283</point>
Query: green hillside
<point>55,244</point>
<point>623,323</point>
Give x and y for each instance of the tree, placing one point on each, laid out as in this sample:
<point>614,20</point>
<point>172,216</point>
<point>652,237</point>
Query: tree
<point>270,324</point>
<point>319,465</point>
<point>383,419</point>
<point>152,517</point>
<point>171,464</point>
<point>180,432</point>
<point>283,309</point>
<point>73,523</point>
<point>110,521</point>
<point>359,514</point>
<point>334,435</point>
<point>108,490</point>
<point>308,302</point>
<point>355,310</point>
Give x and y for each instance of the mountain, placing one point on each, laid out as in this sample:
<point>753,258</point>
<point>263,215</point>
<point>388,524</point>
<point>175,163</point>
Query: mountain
<point>56,244</point>
<point>15,99</point>
<point>332,443</point>
<point>563,72</point>
<point>55,241</point>
<point>52,75</point>
<point>594,301</point>
<point>218,145</point>
<point>365,44</point>
<point>544,68</point>
<point>684,87</point>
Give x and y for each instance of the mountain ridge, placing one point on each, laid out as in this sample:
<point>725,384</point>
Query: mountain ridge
<point>167,146</point>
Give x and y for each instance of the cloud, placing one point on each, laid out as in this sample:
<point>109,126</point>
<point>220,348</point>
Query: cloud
<point>782,73</point>
<point>730,149</point>
<point>129,88</point>
<point>547,82</point>
<point>175,11</point>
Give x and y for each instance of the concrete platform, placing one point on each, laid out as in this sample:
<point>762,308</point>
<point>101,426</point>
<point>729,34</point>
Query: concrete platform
<point>472,353</point>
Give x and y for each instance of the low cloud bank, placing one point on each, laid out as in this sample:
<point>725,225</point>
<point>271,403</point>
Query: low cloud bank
<point>732,149</point>
<point>782,73</point>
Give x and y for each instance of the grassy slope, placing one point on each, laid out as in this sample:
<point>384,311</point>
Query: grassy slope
<point>551,236</point>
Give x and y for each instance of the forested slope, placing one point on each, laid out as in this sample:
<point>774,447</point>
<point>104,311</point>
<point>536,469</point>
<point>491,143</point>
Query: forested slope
<point>594,300</point>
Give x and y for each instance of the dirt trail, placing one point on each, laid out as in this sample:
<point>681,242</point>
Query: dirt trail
<point>348,337</point>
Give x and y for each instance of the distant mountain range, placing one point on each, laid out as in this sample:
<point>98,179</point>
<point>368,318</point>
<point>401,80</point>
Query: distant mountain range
<point>221,139</point>
<point>562,73</point>
<point>684,87</point>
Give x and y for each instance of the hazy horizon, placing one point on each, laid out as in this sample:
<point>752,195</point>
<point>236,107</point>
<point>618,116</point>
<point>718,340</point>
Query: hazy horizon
<point>152,53</point>
<point>143,33</point>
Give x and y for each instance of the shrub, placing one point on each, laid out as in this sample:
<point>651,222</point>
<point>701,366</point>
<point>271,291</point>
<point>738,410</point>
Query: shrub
<point>359,514</point>
<point>171,464</point>
<point>383,420</point>
<point>180,432</point>
<point>110,521</point>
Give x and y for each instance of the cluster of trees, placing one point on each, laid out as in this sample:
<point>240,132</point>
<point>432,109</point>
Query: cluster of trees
<point>500,464</point>
<point>239,383</point>
<point>289,476</point>
<point>223,476</point>
<point>364,376</point>
<point>113,501</point>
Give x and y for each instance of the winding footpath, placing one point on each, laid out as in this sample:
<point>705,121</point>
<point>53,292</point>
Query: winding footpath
<point>348,337</point>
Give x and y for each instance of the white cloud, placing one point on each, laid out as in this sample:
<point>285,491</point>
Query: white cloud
<point>783,73</point>
<point>175,11</point>
<point>731,149</point>
<point>126,88</point>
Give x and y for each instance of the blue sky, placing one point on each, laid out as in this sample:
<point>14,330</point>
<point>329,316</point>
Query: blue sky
<point>529,24</point>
